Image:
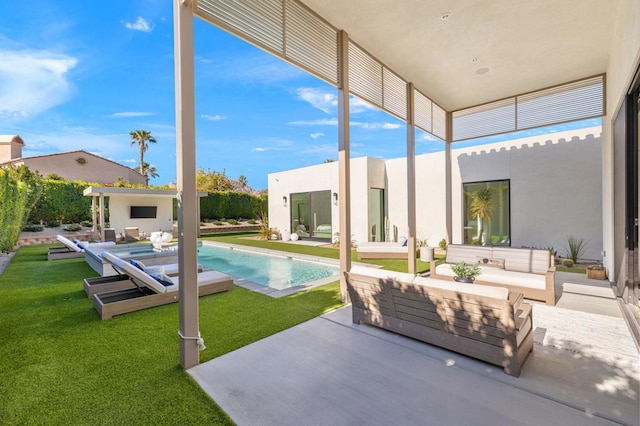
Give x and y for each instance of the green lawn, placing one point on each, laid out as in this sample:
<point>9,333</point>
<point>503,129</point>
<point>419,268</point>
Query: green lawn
<point>59,364</point>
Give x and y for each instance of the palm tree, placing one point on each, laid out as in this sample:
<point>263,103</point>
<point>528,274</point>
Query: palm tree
<point>149,170</point>
<point>482,207</point>
<point>141,137</point>
<point>242,181</point>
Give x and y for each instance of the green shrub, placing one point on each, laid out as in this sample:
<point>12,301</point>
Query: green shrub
<point>567,263</point>
<point>52,224</point>
<point>251,222</point>
<point>217,222</point>
<point>232,222</point>
<point>575,248</point>
<point>62,201</point>
<point>86,223</point>
<point>32,228</point>
<point>20,189</point>
<point>72,228</point>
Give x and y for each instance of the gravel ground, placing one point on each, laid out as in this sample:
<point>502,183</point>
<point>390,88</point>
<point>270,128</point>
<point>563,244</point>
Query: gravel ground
<point>5,258</point>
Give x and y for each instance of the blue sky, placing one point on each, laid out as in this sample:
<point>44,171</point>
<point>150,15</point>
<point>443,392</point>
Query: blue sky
<point>83,74</point>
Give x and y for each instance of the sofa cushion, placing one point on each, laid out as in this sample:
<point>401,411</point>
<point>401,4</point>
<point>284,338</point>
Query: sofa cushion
<point>500,276</point>
<point>457,253</point>
<point>540,261</point>
<point>475,289</point>
<point>515,259</point>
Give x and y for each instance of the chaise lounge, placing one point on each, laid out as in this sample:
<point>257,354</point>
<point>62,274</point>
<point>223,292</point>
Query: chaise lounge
<point>151,291</point>
<point>71,249</point>
<point>383,250</point>
<point>492,324</point>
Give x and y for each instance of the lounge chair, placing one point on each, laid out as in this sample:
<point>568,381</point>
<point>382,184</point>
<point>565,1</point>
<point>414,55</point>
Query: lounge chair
<point>132,233</point>
<point>120,281</point>
<point>161,240</point>
<point>71,249</point>
<point>383,250</point>
<point>149,291</point>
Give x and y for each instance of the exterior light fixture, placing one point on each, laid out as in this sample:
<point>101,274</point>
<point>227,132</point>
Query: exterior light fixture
<point>335,198</point>
<point>284,201</point>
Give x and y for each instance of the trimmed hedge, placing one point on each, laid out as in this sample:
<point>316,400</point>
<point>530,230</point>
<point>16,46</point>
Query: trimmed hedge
<point>19,191</point>
<point>62,201</point>
<point>232,204</point>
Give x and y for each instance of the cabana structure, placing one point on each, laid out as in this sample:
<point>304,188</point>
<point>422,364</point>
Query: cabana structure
<point>148,210</point>
<point>456,70</point>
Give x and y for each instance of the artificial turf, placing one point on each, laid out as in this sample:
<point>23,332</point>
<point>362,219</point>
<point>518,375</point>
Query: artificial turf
<point>60,364</point>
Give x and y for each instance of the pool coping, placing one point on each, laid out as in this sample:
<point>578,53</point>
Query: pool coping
<point>272,292</point>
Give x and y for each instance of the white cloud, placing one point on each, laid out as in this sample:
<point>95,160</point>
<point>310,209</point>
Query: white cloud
<point>320,99</point>
<point>216,117</point>
<point>357,105</point>
<point>141,24</point>
<point>259,149</point>
<point>376,126</point>
<point>321,122</point>
<point>128,114</point>
<point>316,135</point>
<point>33,81</point>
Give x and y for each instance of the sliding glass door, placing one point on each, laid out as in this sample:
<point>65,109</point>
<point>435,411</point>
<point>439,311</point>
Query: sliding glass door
<point>376,214</point>
<point>311,215</point>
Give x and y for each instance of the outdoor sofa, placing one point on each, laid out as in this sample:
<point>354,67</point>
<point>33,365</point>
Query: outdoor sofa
<point>492,324</point>
<point>526,270</point>
<point>151,291</point>
<point>71,249</point>
<point>383,250</point>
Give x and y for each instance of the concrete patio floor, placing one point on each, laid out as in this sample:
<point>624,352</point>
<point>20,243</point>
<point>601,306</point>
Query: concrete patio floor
<point>584,370</point>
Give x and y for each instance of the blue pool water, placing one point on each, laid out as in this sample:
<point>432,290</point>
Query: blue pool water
<point>278,272</point>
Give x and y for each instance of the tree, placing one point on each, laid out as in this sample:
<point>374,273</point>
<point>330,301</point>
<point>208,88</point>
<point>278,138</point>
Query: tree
<point>149,170</point>
<point>242,181</point>
<point>329,160</point>
<point>141,138</point>
<point>482,207</point>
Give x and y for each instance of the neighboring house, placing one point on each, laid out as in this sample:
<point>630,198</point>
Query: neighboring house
<point>543,188</point>
<point>72,165</point>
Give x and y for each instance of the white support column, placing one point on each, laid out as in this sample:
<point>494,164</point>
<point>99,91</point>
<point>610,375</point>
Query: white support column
<point>447,178</point>
<point>344,161</point>
<point>101,216</point>
<point>186,182</point>
<point>94,216</point>
<point>411,181</point>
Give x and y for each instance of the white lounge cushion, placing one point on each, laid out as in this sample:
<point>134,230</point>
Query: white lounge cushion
<point>69,244</point>
<point>501,276</point>
<point>475,289</point>
<point>86,244</point>
<point>381,247</point>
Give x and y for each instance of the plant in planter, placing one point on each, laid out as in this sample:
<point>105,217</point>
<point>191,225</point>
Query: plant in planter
<point>482,207</point>
<point>465,273</point>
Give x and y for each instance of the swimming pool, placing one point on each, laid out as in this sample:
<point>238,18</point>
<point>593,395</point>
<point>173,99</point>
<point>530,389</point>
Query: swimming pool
<point>268,270</point>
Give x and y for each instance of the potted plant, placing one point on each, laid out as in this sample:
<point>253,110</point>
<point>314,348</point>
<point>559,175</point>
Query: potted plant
<point>465,273</point>
<point>426,252</point>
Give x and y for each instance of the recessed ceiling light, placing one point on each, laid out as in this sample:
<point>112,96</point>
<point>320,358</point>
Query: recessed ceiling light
<point>482,70</point>
<point>474,60</point>
<point>445,16</point>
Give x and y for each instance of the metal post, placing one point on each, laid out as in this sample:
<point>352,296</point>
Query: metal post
<point>101,216</point>
<point>186,182</point>
<point>344,166</point>
<point>411,181</point>
<point>447,177</point>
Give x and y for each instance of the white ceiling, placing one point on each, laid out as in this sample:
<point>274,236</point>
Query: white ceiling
<point>526,45</point>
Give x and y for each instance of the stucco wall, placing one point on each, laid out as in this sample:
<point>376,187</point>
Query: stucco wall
<point>555,189</point>
<point>119,212</point>
<point>94,168</point>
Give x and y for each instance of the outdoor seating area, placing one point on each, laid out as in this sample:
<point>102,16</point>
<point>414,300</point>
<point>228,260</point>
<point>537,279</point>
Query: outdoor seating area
<point>526,270</point>
<point>149,290</point>
<point>489,323</point>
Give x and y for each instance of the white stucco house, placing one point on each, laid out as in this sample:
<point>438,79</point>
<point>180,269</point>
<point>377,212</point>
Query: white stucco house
<point>544,189</point>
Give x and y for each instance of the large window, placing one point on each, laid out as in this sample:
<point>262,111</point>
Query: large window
<point>311,214</point>
<point>376,214</point>
<point>486,213</point>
